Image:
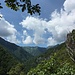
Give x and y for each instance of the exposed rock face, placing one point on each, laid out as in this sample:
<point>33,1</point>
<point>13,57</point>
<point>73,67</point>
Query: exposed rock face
<point>70,43</point>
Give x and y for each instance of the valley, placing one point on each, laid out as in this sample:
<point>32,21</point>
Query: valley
<point>55,60</point>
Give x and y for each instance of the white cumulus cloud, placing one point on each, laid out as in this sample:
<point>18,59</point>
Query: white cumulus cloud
<point>8,31</point>
<point>37,26</point>
<point>28,40</point>
<point>69,5</point>
<point>59,25</point>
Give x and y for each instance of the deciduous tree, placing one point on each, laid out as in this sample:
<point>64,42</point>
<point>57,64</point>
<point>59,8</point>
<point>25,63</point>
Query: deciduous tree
<point>23,5</point>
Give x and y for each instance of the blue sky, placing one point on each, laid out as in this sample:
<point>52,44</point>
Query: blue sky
<point>57,19</point>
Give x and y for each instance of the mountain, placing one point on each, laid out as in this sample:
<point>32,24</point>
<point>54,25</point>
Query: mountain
<point>6,61</point>
<point>57,60</point>
<point>70,43</point>
<point>35,51</point>
<point>17,51</point>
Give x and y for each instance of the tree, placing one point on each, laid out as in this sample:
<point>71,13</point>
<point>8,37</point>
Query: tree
<point>17,70</point>
<point>52,67</point>
<point>70,43</point>
<point>23,5</point>
<point>6,61</point>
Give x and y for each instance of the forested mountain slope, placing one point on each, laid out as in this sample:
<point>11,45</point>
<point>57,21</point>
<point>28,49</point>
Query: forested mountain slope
<point>70,43</point>
<point>17,51</point>
<point>58,60</point>
<point>6,61</point>
<point>35,51</point>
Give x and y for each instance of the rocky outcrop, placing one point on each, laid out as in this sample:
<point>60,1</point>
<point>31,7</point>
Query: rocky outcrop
<point>70,43</point>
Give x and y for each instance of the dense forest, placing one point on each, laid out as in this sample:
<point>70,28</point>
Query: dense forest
<point>56,60</point>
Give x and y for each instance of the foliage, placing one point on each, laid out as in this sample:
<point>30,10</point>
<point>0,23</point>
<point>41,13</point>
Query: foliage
<point>70,43</point>
<point>44,68</point>
<point>17,51</point>
<point>52,67</point>
<point>17,70</point>
<point>6,61</point>
<point>35,51</point>
<point>61,56</point>
<point>67,69</point>
<point>0,6</point>
<point>73,33</point>
<point>55,61</point>
<point>24,5</point>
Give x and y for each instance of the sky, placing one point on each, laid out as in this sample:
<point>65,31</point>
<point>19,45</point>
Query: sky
<point>50,28</point>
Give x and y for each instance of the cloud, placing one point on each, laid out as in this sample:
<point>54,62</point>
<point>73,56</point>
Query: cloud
<point>13,39</point>
<point>51,41</point>
<point>37,26</point>
<point>8,31</point>
<point>28,40</point>
<point>69,5</point>
<point>6,28</point>
<point>1,15</point>
<point>38,39</point>
<point>59,25</point>
<point>25,33</point>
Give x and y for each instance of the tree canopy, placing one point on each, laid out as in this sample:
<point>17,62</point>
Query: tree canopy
<point>23,5</point>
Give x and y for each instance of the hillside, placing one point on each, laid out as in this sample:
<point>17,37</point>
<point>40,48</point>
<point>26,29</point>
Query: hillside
<point>35,51</point>
<point>57,60</point>
<point>54,62</point>
<point>17,51</point>
<point>70,43</point>
<point>6,61</point>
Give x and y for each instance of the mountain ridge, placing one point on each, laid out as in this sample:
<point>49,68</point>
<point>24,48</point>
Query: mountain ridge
<point>16,50</point>
<point>35,51</point>
<point>55,61</point>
